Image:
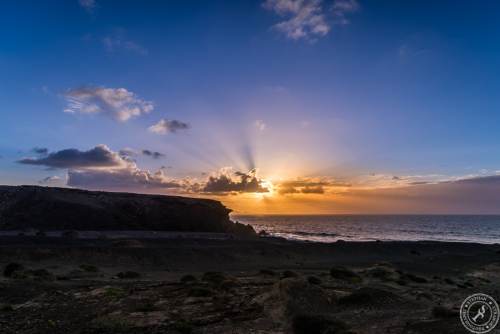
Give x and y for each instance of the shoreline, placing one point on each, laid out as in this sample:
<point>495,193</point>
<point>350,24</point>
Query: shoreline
<point>149,234</point>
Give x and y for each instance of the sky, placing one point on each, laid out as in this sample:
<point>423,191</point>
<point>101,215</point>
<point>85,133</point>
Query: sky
<point>270,106</point>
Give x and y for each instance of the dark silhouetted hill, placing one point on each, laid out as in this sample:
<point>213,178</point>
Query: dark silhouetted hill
<point>45,208</point>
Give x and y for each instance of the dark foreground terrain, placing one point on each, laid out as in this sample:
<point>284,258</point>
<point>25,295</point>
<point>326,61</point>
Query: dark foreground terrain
<point>259,285</point>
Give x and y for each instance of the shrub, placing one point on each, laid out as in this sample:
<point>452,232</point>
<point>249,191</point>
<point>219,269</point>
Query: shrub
<point>115,293</point>
<point>344,274</point>
<point>289,274</point>
<point>11,268</point>
<point>314,280</point>
<point>267,272</point>
<point>188,279</point>
<point>89,268</point>
<point>214,277</point>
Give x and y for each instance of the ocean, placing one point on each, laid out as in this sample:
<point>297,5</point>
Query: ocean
<point>330,228</point>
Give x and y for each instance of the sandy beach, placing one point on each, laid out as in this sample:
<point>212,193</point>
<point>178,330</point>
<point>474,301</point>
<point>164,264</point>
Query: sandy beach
<point>239,285</point>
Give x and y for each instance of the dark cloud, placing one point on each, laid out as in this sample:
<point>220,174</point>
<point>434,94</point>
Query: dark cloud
<point>153,154</point>
<point>127,152</point>
<point>40,150</point>
<point>165,126</point>
<point>130,178</point>
<point>244,183</point>
<point>99,156</point>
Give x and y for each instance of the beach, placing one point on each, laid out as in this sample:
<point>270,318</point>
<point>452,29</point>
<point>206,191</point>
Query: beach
<point>191,284</point>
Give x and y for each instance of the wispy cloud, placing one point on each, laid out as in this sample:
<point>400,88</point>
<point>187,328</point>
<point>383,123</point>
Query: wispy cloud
<point>153,154</point>
<point>88,5</point>
<point>260,125</point>
<point>165,126</point>
<point>40,150</point>
<point>118,103</point>
<point>117,41</point>
<point>309,19</point>
<point>341,8</point>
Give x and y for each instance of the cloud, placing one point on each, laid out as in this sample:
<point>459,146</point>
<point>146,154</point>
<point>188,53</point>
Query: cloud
<point>88,5</point>
<point>308,19</point>
<point>99,156</point>
<point>153,154</point>
<point>127,152</point>
<point>128,178</point>
<point>40,150</point>
<point>304,19</point>
<point>341,8</point>
<point>165,126</point>
<point>118,103</point>
<point>117,41</point>
<point>49,179</point>
<point>227,182</point>
<point>308,186</point>
<point>260,125</point>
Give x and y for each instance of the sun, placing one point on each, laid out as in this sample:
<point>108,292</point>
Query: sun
<point>267,184</point>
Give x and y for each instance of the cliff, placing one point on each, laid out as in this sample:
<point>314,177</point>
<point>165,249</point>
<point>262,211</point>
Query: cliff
<point>44,208</point>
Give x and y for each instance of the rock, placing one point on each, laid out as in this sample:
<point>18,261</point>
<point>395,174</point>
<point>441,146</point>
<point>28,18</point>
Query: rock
<point>47,208</point>
<point>11,268</point>
<point>291,297</point>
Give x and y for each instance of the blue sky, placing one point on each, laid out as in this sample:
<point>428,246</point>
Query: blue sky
<point>343,94</point>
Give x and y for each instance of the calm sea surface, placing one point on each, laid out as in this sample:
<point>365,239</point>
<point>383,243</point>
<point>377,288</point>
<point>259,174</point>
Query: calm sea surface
<point>330,228</point>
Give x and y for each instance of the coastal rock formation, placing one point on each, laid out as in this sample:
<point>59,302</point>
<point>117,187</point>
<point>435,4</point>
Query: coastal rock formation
<point>44,208</point>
